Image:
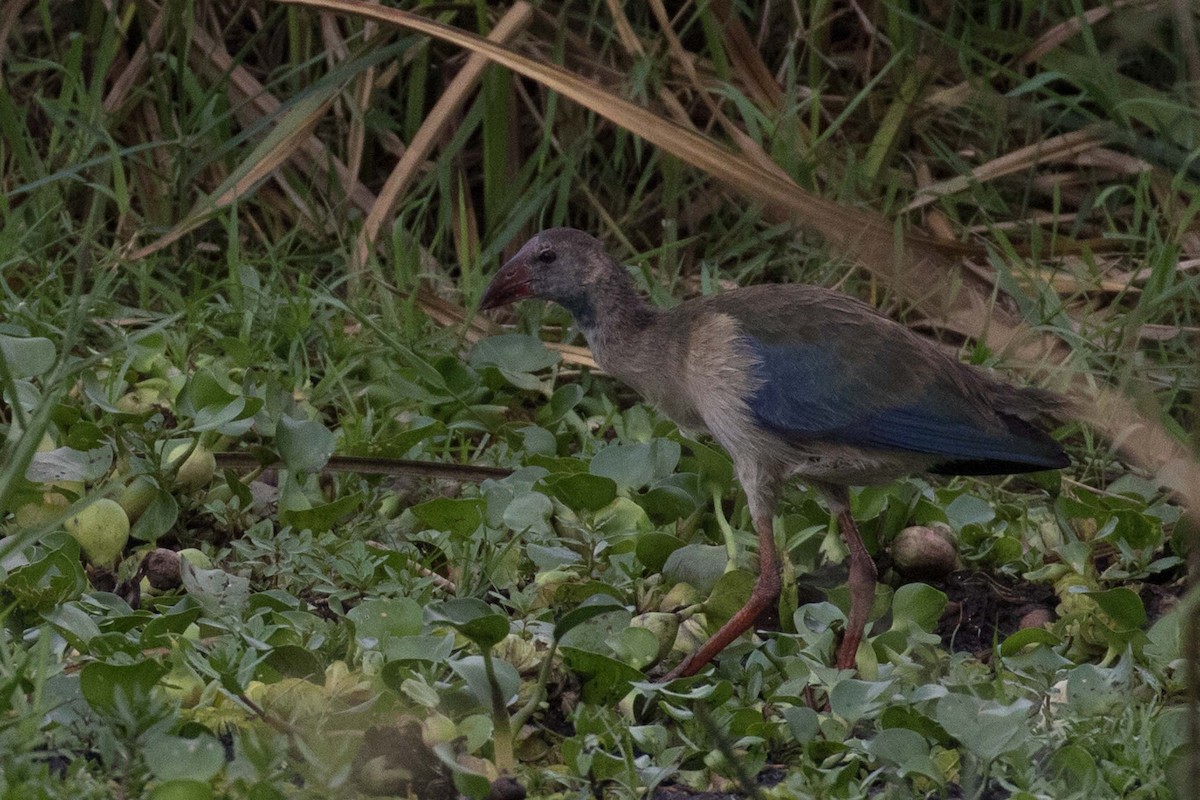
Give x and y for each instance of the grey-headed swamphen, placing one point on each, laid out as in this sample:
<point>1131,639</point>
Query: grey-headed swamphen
<point>793,381</point>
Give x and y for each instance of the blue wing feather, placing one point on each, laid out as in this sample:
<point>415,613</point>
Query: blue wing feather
<point>818,392</point>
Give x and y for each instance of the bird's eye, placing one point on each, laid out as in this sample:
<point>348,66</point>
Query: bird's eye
<point>547,256</point>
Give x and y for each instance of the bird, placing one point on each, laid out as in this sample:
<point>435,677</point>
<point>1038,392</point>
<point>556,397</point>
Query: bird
<point>794,382</point>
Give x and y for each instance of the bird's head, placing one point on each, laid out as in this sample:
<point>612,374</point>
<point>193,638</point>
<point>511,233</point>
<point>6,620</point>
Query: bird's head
<point>559,264</point>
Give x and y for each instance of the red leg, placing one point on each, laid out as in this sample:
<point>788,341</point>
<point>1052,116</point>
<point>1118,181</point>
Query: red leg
<point>862,588</point>
<point>766,591</point>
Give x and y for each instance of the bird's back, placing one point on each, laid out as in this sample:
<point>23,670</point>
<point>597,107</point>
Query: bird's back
<point>826,371</point>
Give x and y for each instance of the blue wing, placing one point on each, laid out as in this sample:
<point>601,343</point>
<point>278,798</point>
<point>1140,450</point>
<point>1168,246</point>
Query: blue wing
<point>885,398</point>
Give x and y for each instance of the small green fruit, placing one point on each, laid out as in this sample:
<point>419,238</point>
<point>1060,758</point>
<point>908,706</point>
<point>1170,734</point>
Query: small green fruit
<point>136,496</point>
<point>102,529</point>
<point>197,470</point>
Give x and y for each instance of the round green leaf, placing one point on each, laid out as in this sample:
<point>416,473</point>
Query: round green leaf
<point>378,621</point>
<point>176,758</point>
<point>472,618</point>
<point>182,790</point>
<point>305,445</point>
<point>108,688</point>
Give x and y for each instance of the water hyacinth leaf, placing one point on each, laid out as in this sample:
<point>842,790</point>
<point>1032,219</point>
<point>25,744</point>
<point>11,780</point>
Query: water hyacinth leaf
<point>547,558</point>
<point>76,626</point>
<point>728,596</point>
<point>517,352</point>
<point>220,593</point>
<point>564,399</point>
<point>474,673</point>
<point>606,680</point>
<point>637,647</point>
<point>27,356</point>
<point>701,565</point>
<point>904,748</point>
<point>460,516</point>
<point>181,789</point>
<point>713,465</point>
<point>1123,605</point>
<point>109,688</point>
<point>655,547</point>
<point>529,511</point>
<point>68,464</point>
<point>579,491</point>
<point>158,518</point>
<point>986,728</point>
<point>621,517</point>
<point>592,607</point>
<point>304,445</point>
<point>967,509</point>
<point>1019,640</point>
<point>176,758</point>
<point>294,661</point>
<point>377,622</point>
<point>853,699</point>
<point>471,617</point>
<point>1076,767</point>
<point>803,723</point>
<point>431,648</point>
<point>633,466</point>
<point>319,519</point>
<point>1094,691</point>
<point>917,605</point>
<point>666,503</point>
<point>53,579</point>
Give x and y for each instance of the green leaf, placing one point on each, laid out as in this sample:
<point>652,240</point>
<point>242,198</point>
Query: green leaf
<point>633,466</point>
<point>158,518</point>
<point>51,580</point>
<point>113,688</point>
<point>514,352</point>
<point>1094,691</point>
<point>637,647</point>
<point>729,596</point>
<point>1075,767</point>
<point>472,618</point>
<point>319,519</point>
<point>606,680</point>
<point>378,621</point>
<point>967,509</point>
<point>182,790</point>
<point>701,565</point>
<point>176,758</point>
<point>1123,606</point>
<point>852,699</point>
<point>305,445</point>
<point>473,671</point>
<point>594,606</point>
<point>28,356</point>
<point>655,547</point>
<point>75,624</point>
<point>1019,640</point>
<point>67,464</point>
<point>220,593</point>
<point>460,516</point>
<point>907,749</point>
<point>579,491</point>
<point>803,723</point>
<point>985,727</point>
<point>917,605</point>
